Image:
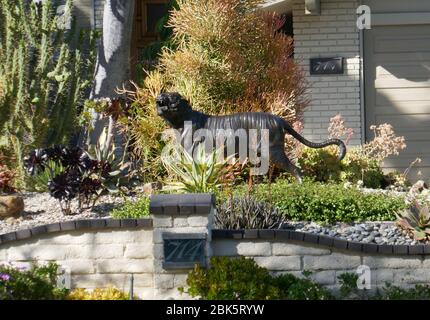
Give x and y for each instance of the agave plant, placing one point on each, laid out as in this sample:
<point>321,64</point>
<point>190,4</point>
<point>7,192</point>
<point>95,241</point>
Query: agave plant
<point>115,171</point>
<point>416,221</point>
<point>200,173</point>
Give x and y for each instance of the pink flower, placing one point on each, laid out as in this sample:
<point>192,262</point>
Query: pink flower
<point>4,277</point>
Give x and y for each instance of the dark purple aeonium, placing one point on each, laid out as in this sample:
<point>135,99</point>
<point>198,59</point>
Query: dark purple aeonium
<point>54,153</point>
<point>35,162</point>
<point>65,186</point>
<point>75,158</point>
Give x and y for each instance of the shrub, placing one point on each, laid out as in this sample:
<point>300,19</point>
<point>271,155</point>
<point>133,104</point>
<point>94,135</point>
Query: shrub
<point>294,288</point>
<point>349,290</point>
<point>109,293</point>
<point>356,167</point>
<point>242,279</point>
<point>390,292</point>
<point>132,210</point>
<point>247,213</point>
<point>320,164</point>
<point>361,163</point>
<point>246,67</point>
<point>7,178</point>
<point>37,283</point>
<point>314,201</point>
<point>44,74</point>
<point>323,165</point>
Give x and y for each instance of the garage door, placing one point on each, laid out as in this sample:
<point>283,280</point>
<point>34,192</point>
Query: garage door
<point>397,78</point>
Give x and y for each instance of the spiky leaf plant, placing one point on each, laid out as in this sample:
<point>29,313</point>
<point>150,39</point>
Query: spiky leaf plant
<point>197,172</point>
<point>247,213</point>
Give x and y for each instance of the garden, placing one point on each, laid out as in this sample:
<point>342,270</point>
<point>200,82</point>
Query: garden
<point>57,165</point>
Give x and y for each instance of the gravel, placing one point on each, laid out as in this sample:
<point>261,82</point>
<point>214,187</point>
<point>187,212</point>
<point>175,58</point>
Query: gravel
<point>369,232</point>
<point>41,209</point>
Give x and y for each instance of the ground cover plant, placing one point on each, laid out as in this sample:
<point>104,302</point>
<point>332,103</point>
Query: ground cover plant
<point>109,293</point>
<point>323,202</point>
<point>132,210</point>
<point>241,278</point>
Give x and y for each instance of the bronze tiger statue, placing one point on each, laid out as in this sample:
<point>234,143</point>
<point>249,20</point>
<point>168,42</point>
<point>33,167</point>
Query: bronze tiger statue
<point>176,110</point>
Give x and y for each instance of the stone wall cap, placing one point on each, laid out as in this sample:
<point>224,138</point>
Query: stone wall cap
<point>83,224</point>
<point>182,204</point>
<point>296,237</point>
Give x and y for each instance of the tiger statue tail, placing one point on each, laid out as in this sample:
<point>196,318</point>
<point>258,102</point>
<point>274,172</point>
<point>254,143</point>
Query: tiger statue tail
<point>310,144</point>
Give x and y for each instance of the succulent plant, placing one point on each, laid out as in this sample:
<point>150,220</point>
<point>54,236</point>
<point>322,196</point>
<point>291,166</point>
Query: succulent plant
<point>73,173</point>
<point>64,186</point>
<point>75,158</point>
<point>416,221</point>
<point>54,153</point>
<point>247,213</point>
<point>199,172</point>
<point>35,162</point>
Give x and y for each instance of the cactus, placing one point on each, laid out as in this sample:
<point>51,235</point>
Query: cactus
<point>44,73</point>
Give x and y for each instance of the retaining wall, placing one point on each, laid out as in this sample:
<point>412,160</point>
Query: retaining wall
<point>283,251</point>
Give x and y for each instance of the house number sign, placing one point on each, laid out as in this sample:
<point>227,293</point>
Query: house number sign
<point>183,250</point>
<point>322,66</point>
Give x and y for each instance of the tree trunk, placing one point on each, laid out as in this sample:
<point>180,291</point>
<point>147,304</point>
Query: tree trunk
<point>113,59</point>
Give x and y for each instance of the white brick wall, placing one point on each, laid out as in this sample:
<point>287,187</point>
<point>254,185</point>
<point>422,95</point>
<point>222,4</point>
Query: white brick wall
<point>326,264</point>
<point>333,33</point>
<point>95,259</point>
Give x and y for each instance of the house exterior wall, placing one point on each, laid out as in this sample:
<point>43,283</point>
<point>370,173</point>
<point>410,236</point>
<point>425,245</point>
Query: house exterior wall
<point>83,10</point>
<point>98,13</point>
<point>333,33</point>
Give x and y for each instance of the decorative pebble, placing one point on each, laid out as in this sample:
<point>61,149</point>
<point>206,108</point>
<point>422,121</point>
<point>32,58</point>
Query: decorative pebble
<point>41,209</point>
